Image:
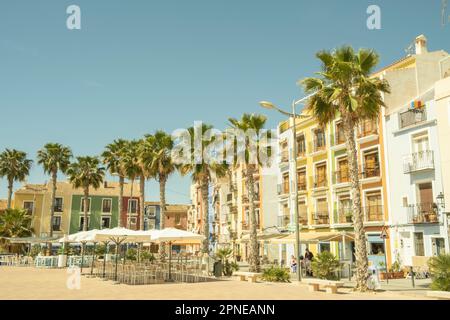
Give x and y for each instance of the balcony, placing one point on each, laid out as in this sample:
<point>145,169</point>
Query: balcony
<point>370,172</point>
<point>373,213</point>
<point>284,221</point>
<point>318,145</point>
<point>246,225</point>
<point>320,181</point>
<point>321,218</point>
<point>341,176</point>
<point>229,197</point>
<point>345,214</point>
<point>422,213</point>
<point>283,188</point>
<point>412,117</point>
<point>58,208</point>
<point>418,161</point>
<point>284,156</point>
<point>367,128</point>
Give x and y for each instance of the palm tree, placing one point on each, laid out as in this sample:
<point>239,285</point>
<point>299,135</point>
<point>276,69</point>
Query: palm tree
<point>156,155</point>
<point>86,173</point>
<point>201,174</point>
<point>255,123</point>
<point>54,157</point>
<point>131,165</point>
<point>113,158</point>
<point>15,166</point>
<point>15,223</point>
<point>344,87</point>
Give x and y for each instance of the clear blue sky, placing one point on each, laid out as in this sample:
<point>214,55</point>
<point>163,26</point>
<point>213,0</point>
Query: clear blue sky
<point>137,66</point>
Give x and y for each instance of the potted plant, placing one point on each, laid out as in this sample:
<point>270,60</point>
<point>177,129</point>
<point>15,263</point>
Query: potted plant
<point>227,266</point>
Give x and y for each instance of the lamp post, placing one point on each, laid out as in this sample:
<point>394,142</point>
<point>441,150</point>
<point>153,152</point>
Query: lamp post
<point>293,159</point>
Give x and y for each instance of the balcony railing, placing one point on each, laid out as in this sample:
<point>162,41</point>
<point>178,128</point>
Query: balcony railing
<point>370,172</point>
<point>342,176</point>
<point>418,161</point>
<point>422,213</point>
<point>367,128</point>
<point>345,214</point>
<point>284,221</point>
<point>284,156</point>
<point>58,208</point>
<point>246,225</point>
<point>301,185</point>
<point>320,181</point>
<point>373,213</point>
<point>318,145</point>
<point>412,117</point>
<point>321,217</point>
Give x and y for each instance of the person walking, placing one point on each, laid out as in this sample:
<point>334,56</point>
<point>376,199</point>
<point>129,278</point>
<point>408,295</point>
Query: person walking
<point>293,264</point>
<point>308,258</point>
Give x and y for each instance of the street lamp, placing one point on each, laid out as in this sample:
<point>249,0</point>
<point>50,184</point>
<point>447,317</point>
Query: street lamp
<point>440,201</point>
<point>293,158</point>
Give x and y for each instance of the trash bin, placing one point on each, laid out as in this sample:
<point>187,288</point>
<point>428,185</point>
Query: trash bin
<point>217,269</point>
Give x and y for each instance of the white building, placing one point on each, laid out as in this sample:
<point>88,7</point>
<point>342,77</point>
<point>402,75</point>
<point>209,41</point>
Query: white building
<point>412,149</point>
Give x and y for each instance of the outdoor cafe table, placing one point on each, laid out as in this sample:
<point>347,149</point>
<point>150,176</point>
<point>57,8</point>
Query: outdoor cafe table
<point>46,261</point>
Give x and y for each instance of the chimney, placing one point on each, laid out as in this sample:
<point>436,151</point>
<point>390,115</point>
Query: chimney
<point>421,44</point>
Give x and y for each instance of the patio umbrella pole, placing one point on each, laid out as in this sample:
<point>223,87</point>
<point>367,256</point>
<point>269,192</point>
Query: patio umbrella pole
<point>117,254</point>
<point>82,256</point>
<point>170,263</point>
<point>104,257</point>
<point>93,257</point>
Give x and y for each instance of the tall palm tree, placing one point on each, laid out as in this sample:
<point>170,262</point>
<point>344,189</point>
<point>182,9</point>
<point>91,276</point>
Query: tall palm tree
<point>131,165</point>
<point>201,174</point>
<point>113,158</point>
<point>156,154</point>
<point>254,122</point>
<point>86,173</point>
<point>54,157</point>
<point>344,87</point>
<point>15,166</point>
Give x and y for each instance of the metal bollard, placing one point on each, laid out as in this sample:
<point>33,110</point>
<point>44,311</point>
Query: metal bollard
<point>412,277</point>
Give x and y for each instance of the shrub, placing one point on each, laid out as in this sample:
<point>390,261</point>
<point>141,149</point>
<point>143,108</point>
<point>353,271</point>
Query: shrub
<point>276,274</point>
<point>440,272</point>
<point>131,254</point>
<point>147,256</point>
<point>228,267</point>
<point>325,265</point>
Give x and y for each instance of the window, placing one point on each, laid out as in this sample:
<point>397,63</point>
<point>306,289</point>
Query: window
<point>324,246</point>
<point>132,221</point>
<point>106,205</point>
<point>301,146</point>
<point>321,175</point>
<point>319,139</point>
<point>303,212</point>
<point>345,209</point>
<point>374,207</point>
<point>56,223</point>
<point>376,248</point>
<point>285,183</point>
<point>177,218</point>
<point>28,206</point>
<point>132,206</point>
<point>342,175</point>
<point>82,204</point>
<point>301,179</point>
<point>339,138</point>
<point>419,249</point>
<point>82,223</point>
<point>151,211</point>
<point>321,215</point>
<point>58,205</point>
<point>106,222</point>
<point>371,164</point>
<point>284,152</point>
<point>149,224</point>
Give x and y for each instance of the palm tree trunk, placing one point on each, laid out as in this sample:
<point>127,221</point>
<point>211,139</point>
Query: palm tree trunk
<point>121,183</point>
<point>254,263</point>
<point>85,200</point>
<point>204,189</point>
<point>128,210</point>
<point>52,206</point>
<point>10,193</point>
<point>162,214</point>
<point>358,217</point>
<point>141,201</point>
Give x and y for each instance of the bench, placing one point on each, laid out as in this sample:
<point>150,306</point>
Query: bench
<point>250,276</point>
<point>330,285</point>
<point>439,294</point>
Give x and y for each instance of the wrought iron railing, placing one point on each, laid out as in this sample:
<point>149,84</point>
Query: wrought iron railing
<point>418,161</point>
<point>422,213</point>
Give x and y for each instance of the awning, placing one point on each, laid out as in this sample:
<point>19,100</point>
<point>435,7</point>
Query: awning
<point>313,237</point>
<point>31,239</point>
<point>261,237</point>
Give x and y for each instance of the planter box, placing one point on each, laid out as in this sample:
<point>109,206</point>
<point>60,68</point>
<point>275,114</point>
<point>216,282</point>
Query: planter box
<point>392,275</point>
